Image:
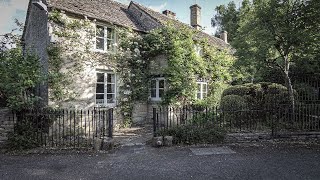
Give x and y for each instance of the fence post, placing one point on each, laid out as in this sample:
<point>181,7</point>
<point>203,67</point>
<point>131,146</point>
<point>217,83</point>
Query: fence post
<point>154,121</point>
<point>110,123</point>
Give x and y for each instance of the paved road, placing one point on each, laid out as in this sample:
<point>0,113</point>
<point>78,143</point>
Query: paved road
<point>262,161</point>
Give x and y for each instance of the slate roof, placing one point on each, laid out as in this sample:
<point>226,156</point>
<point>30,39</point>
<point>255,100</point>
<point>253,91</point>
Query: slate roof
<point>161,18</point>
<point>118,14</point>
<point>104,10</point>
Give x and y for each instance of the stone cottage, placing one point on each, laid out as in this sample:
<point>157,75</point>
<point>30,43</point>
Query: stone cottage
<point>97,85</point>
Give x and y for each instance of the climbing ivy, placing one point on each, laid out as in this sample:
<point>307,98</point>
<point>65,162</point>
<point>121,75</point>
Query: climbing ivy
<point>135,60</point>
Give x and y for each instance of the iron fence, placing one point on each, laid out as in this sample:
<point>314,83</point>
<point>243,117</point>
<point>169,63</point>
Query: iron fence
<point>64,128</point>
<point>269,119</point>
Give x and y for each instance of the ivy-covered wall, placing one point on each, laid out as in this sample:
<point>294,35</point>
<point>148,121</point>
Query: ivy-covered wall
<point>167,52</point>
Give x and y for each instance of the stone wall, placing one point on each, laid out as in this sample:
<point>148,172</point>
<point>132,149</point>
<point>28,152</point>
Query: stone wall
<point>6,124</point>
<point>36,39</point>
<point>140,113</point>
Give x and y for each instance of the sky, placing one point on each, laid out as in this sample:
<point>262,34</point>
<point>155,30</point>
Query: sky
<point>16,9</point>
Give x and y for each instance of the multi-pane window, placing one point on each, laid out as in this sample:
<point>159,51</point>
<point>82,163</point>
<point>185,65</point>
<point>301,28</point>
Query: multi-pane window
<point>157,88</point>
<point>104,38</point>
<point>105,88</point>
<point>202,90</point>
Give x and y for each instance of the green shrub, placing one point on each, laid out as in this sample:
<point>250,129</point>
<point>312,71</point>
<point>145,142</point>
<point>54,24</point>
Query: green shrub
<point>192,134</point>
<point>24,136</point>
<point>233,102</point>
<point>306,91</point>
<point>239,90</point>
<point>276,94</point>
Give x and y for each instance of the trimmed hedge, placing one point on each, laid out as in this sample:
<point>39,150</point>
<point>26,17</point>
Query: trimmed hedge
<point>193,134</point>
<point>257,95</point>
<point>233,102</point>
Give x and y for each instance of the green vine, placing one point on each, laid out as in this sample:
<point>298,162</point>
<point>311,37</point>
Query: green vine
<point>135,62</point>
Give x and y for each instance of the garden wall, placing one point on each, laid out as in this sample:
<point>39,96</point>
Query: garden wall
<point>6,124</point>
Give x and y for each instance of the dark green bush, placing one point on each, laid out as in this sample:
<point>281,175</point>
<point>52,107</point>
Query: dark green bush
<point>306,92</point>
<point>259,95</point>
<point>239,90</point>
<point>233,102</point>
<point>24,136</point>
<point>193,134</point>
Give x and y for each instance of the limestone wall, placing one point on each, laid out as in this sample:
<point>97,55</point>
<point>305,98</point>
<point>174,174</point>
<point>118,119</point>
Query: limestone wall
<point>6,124</point>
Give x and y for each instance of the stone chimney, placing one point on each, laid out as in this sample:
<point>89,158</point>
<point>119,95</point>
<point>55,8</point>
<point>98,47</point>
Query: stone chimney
<point>170,14</point>
<point>224,36</point>
<point>195,16</point>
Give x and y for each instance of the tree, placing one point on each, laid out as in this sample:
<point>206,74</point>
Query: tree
<point>226,19</point>
<point>273,34</point>
<point>19,73</point>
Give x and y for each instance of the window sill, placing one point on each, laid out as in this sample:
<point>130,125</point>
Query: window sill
<point>103,51</point>
<point>156,99</point>
<point>105,105</point>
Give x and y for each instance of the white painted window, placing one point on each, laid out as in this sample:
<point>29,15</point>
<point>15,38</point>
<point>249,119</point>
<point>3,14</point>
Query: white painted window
<point>202,90</point>
<point>105,89</point>
<point>157,89</point>
<point>105,38</point>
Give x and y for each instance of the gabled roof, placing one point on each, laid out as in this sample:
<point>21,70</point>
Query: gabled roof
<point>118,14</point>
<point>104,10</point>
<point>163,19</point>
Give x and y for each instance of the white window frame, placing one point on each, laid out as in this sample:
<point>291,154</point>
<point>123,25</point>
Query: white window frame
<point>105,39</point>
<point>202,92</point>
<point>157,98</point>
<point>105,93</point>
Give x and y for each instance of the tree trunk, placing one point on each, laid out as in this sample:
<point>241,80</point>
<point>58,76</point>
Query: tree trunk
<point>291,94</point>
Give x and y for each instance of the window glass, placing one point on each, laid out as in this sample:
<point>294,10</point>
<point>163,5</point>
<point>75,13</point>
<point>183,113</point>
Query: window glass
<point>100,43</point>
<point>105,88</point>
<point>153,93</point>
<point>161,83</point>
<point>100,77</point>
<point>153,84</point>
<point>100,88</point>
<point>100,31</point>
<point>161,92</point>
<point>111,78</point>
<point>111,88</point>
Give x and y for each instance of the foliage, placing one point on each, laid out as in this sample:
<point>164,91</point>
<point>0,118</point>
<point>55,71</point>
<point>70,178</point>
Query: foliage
<point>19,75</point>
<point>273,38</point>
<point>226,19</point>
<point>185,67</point>
<point>134,58</point>
<point>192,134</point>
<point>24,136</point>
<point>233,102</point>
<point>256,95</point>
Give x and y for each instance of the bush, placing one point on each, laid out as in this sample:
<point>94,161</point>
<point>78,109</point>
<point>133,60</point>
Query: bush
<point>259,95</point>
<point>24,136</point>
<point>276,94</point>
<point>192,134</point>
<point>233,102</point>
<point>306,92</point>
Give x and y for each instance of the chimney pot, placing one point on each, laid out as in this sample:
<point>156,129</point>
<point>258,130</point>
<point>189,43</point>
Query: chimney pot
<point>169,13</point>
<point>224,36</point>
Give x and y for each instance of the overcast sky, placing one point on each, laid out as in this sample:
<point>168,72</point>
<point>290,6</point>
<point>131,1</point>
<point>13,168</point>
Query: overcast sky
<point>11,9</point>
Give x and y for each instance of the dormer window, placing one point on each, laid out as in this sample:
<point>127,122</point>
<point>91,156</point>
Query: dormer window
<point>104,38</point>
